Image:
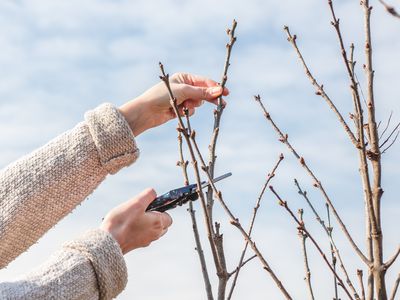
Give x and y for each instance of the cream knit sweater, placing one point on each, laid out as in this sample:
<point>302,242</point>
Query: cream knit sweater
<point>41,188</point>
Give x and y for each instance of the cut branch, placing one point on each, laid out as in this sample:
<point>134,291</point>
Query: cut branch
<point>360,279</point>
<point>284,139</point>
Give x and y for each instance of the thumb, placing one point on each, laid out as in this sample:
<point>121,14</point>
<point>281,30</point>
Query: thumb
<point>145,198</point>
<point>186,91</point>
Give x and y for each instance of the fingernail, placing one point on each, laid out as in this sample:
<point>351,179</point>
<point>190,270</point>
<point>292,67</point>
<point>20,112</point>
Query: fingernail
<point>216,91</point>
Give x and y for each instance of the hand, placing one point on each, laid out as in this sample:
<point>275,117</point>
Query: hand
<point>153,108</point>
<point>132,227</point>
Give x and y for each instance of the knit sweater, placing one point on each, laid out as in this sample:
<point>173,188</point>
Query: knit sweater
<point>41,188</point>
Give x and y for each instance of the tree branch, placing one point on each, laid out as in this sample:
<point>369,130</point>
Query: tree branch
<point>181,128</point>
<point>328,231</point>
<point>284,139</point>
<point>360,279</point>
<point>255,210</point>
<point>392,259</point>
<point>183,164</point>
<point>396,285</point>
<point>390,9</point>
<point>303,238</point>
<point>242,265</point>
<point>302,227</point>
<point>320,88</point>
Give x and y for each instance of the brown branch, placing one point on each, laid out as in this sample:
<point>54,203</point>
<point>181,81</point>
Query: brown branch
<point>217,115</point>
<point>303,238</point>
<point>235,222</point>
<point>332,251</point>
<point>223,276</point>
<point>320,88</point>
<point>302,227</point>
<point>390,135</point>
<point>360,279</point>
<point>328,231</point>
<point>184,131</point>
<point>183,164</point>
<point>255,210</point>
<point>284,139</point>
<point>395,287</point>
<point>390,9</point>
<point>374,155</point>
<point>242,265</point>
<point>392,259</point>
<point>387,125</point>
<point>391,144</point>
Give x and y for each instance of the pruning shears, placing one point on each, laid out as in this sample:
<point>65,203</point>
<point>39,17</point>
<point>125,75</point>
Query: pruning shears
<point>180,196</point>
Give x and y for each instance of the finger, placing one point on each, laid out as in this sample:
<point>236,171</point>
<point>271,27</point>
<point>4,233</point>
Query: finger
<point>195,80</point>
<point>164,231</point>
<point>145,198</point>
<point>166,220</point>
<point>185,91</point>
<point>215,101</point>
<point>192,103</point>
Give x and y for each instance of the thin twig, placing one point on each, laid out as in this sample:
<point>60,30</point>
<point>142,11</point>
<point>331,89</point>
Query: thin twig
<point>184,131</point>
<point>183,164</point>
<point>390,135</point>
<point>334,249</point>
<point>242,265</point>
<point>390,9</point>
<point>302,227</point>
<point>217,116</point>
<point>284,139</point>
<point>360,279</point>
<point>320,88</point>
<point>303,238</point>
<point>255,210</point>
<point>391,144</point>
<point>392,259</point>
<point>387,125</point>
<point>395,287</point>
<point>235,222</point>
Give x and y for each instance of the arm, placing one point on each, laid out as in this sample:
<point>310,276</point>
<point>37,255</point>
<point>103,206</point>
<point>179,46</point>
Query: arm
<point>42,187</point>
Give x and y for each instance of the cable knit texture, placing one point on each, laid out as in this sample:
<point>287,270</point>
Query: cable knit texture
<point>41,188</point>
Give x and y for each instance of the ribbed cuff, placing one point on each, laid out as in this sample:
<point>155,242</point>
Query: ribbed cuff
<point>112,136</point>
<point>107,259</point>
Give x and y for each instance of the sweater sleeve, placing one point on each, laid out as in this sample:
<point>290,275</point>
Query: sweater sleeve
<point>90,267</point>
<point>42,187</point>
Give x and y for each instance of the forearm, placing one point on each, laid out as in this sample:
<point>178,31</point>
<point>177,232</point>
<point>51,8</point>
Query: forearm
<point>41,188</point>
<point>91,267</point>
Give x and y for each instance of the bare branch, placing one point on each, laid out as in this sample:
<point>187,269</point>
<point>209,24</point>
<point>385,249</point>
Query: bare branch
<point>320,88</point>
<point>303,228</point>
<point>391,144</point>
<point>390,135</point>
<point>303,238</point>
<point>183,164</point>
<point>360,279</point>
<point>392,259</point>
<point>395,287</point>
<point>390,9</point>
<point>284,139</point>
<point>217,115</point>
<point>256,207</point>
<point>387,125</point>
<point>334,249</point>
<point>242,265</point>
<point>184,131</point>
<point>235,222</point>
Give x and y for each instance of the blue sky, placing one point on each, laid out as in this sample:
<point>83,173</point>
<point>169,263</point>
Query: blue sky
<point>59,59</point>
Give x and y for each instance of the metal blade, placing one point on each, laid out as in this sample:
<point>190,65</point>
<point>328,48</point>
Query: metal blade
<point>205,184</point>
